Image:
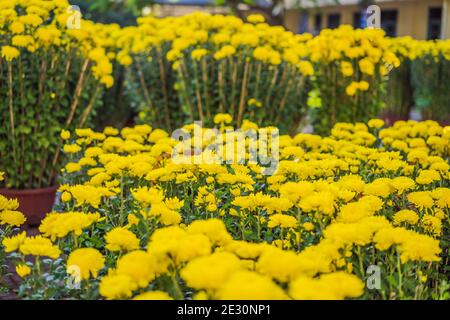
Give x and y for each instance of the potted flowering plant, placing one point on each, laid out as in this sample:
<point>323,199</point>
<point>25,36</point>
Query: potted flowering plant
<point>430,87</point>
<point>193,67</point>
<point>419,82</point>
<point>352,73</point>
<point>51,77</point>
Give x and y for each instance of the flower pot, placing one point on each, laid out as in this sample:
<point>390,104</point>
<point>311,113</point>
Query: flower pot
<point>33,203</point>
<point>391,118</point>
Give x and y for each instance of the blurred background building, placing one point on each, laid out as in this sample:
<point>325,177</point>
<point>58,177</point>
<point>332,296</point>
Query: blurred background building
<point>421,19</point>
<point>163,8</point>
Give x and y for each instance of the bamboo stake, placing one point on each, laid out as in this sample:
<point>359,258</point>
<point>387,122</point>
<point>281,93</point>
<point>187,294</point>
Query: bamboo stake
<point>89,107</point>
<point>162,74</point>
<point>269,91</point>
<point>183,73</point>
<point>221,85</point>
<point>243,94</point>
<point>205,86</point>
<point>42,77</point>
<point>11,111</point>
<point>281,85</point>
<point>144,86</point>
<point>41,90</point>
<point>258,75</point>
<point>283,100</point>
<point>197,92</point>
<point>77,94</point>
<point>66,72</point>
<point>73,107</point>
<point>234,75</point>
<point>45,158</point>
<point>22,118</point>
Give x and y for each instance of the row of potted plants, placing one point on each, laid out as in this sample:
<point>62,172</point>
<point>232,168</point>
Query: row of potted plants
<point>172,71</point>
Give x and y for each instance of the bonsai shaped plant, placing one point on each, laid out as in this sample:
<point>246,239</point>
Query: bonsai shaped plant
<point>51,78</point>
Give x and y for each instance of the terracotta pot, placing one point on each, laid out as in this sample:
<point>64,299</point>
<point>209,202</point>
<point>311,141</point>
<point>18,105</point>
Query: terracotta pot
<point>33,203</point>
<point>391,118</point>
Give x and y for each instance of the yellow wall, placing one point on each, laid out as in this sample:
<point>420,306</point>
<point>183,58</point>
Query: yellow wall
<point>292,20</point>
<point>412,19</point>
<point>180,10</point>
<point>446,21</point>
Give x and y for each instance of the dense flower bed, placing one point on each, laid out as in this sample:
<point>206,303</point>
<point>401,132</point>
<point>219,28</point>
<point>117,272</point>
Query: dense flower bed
<point>135,224</point>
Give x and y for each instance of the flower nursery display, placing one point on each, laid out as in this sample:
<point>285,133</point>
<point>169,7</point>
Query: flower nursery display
<point>205,64</point>
<point>420,79</point>
<point>134,222</point>
<point>211,157</point>
<point>50,78</point>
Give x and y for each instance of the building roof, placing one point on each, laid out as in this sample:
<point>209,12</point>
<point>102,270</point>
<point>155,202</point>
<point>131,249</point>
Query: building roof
<point>262,3</point>
<point>291,4</point>
<point>186,2</point>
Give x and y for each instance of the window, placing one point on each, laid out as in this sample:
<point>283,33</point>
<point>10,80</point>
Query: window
<point>357,23</point>
<point>360,19</point>
<point>317,23</point>
<point>303,25</point>
<point>434,23</point>
<point>389,22</point>
<point>334,20</point>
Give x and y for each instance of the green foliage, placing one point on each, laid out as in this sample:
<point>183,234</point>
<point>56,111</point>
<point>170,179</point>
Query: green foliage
<point>41,93</point>
<point>245,88</point>
<point>431,92</point>
<point>107,11</point>
<point>337,105</point>
<point>150,88</point>
<point>399,97</point>
<point>199,89</point>
<point>134,6</point>
<point>115,107</point>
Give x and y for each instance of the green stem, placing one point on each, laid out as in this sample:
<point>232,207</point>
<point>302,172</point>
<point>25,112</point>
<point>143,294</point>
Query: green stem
<point>399,271</point>
<point>258,226</point>
<point>241,226</point>
<point>178,293</point>
<point>361,267</point>
<point>122,202</point>
<point>75,240</point>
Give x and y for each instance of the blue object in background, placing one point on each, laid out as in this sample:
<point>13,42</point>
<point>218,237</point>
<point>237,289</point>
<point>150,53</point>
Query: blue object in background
<point>303,25</point>
<point>363,19</point>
